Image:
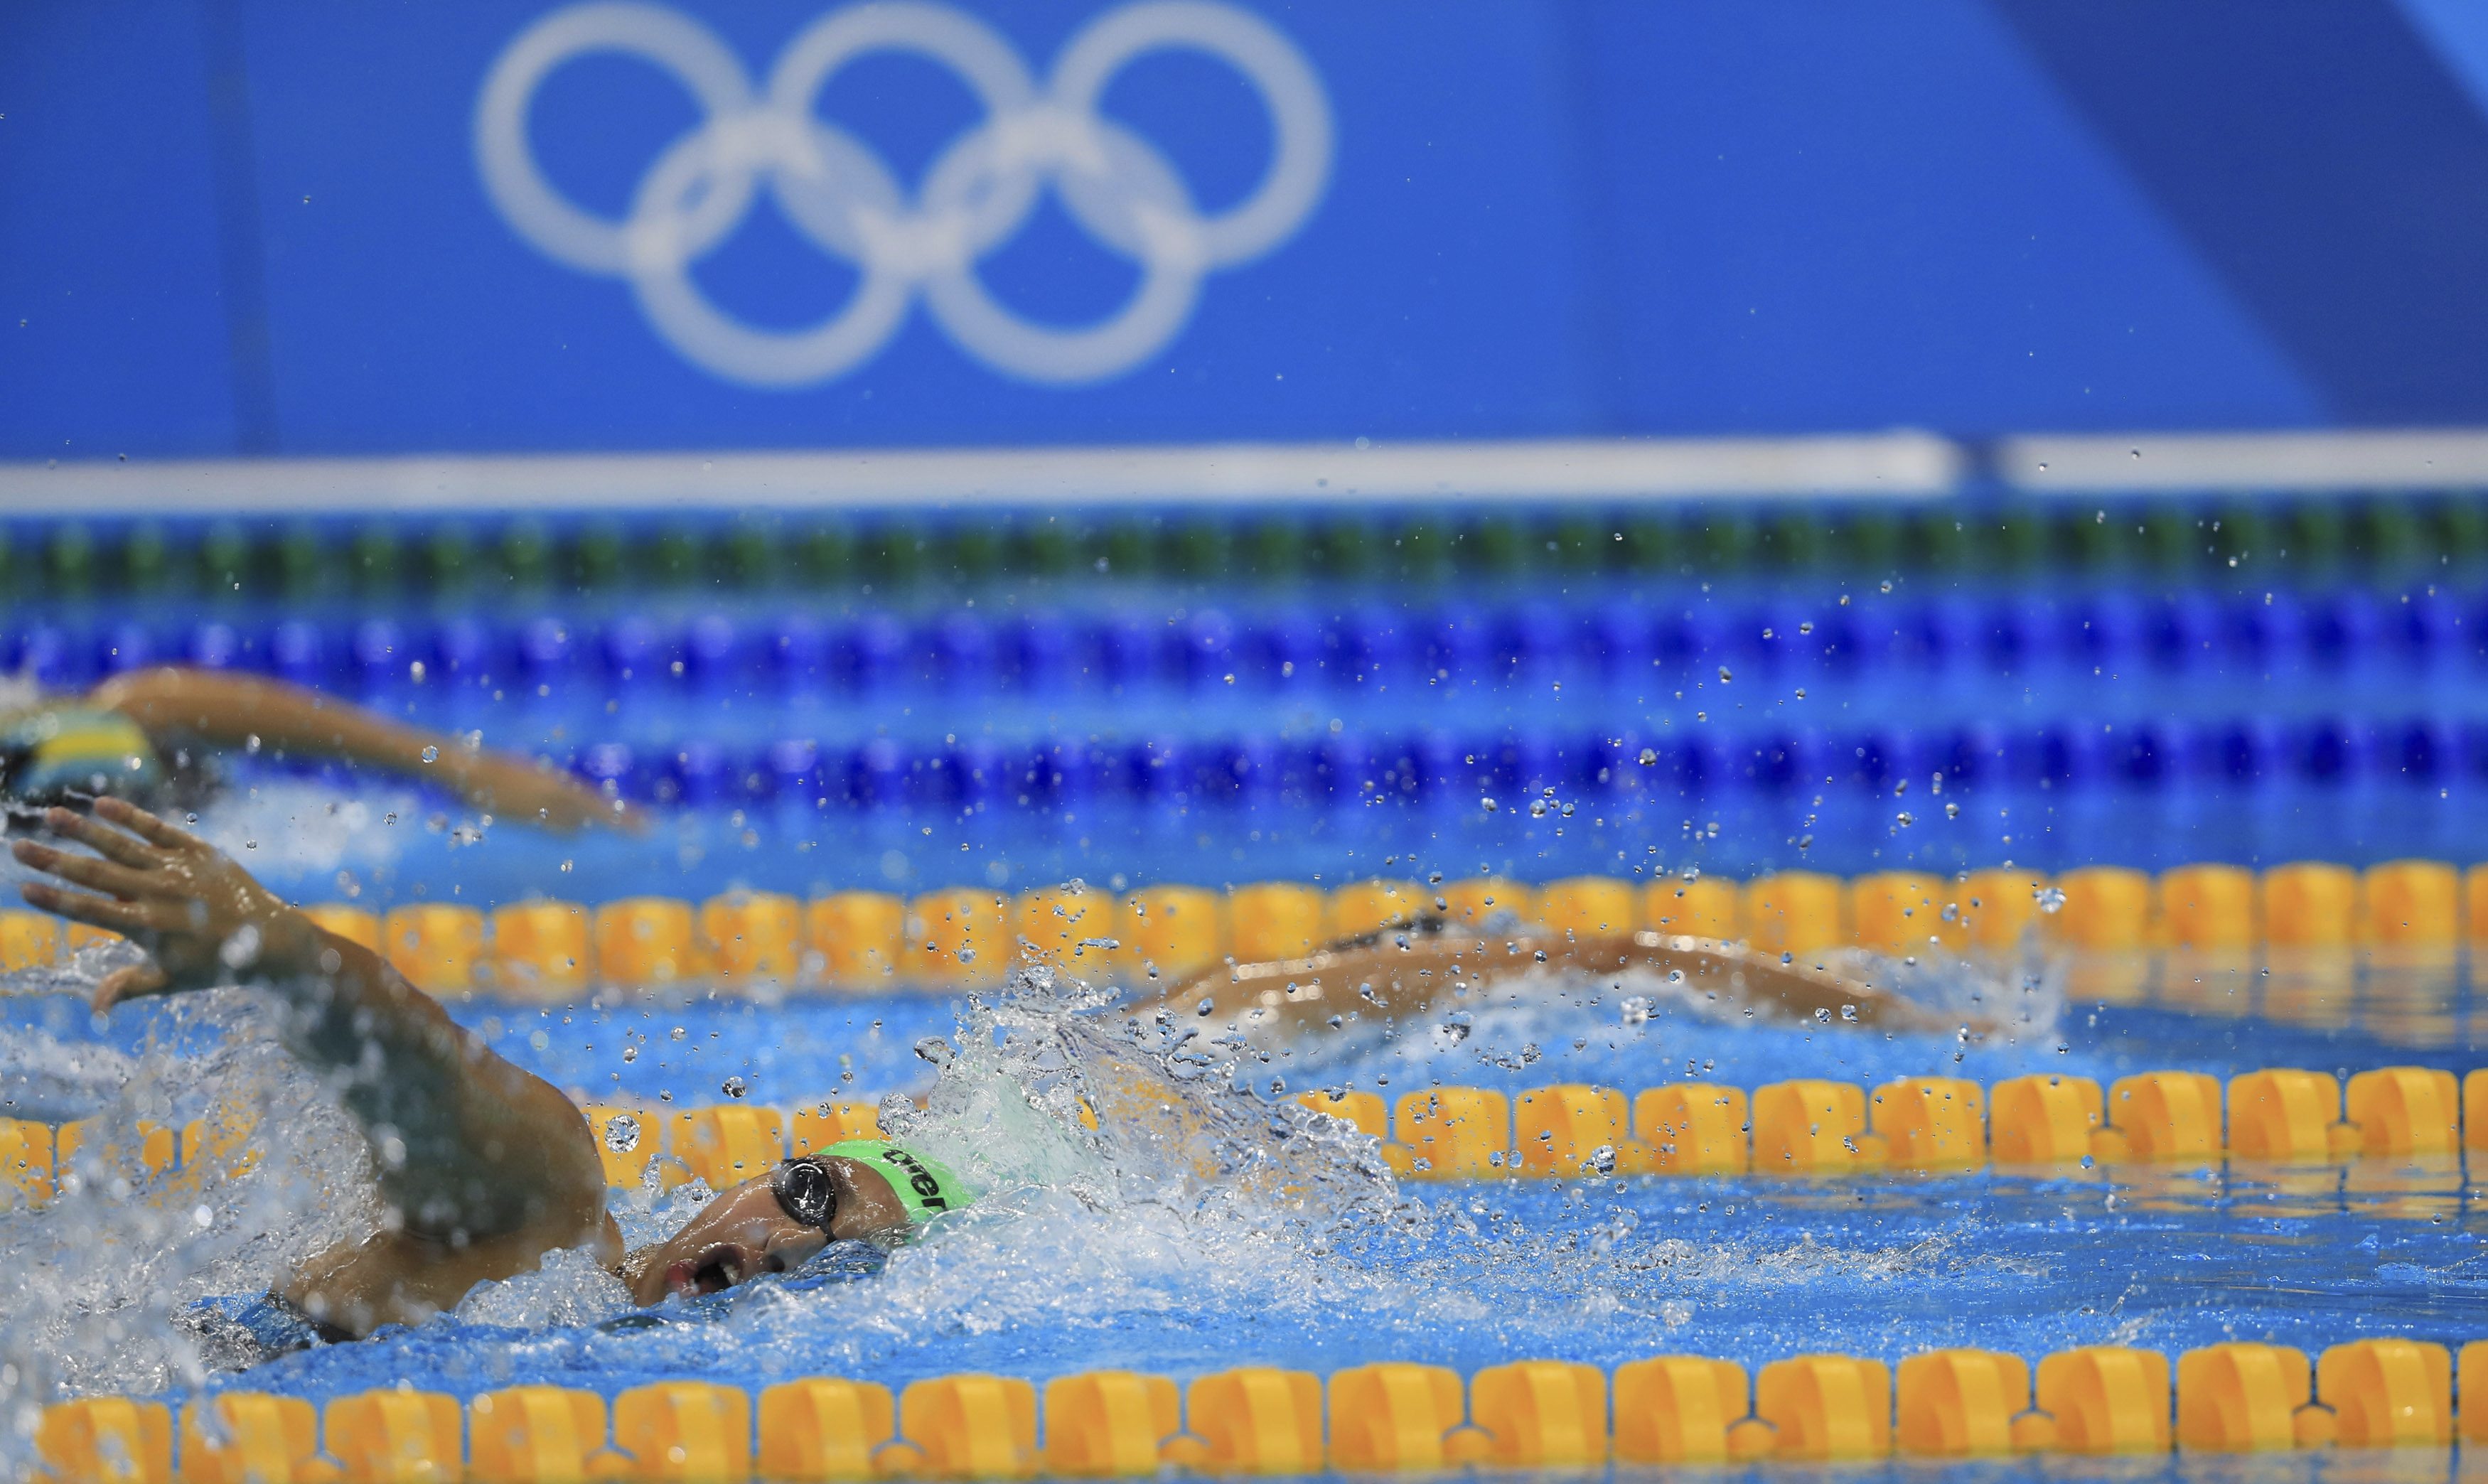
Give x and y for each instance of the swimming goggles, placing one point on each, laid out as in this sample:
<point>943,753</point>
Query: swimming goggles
<point>807,1192</point>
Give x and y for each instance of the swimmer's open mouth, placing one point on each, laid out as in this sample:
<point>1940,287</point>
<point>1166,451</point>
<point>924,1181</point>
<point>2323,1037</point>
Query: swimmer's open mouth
<point>717,1269</point>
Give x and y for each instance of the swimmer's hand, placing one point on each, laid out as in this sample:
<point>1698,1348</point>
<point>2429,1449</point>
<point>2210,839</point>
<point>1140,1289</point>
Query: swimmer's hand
<point>200,918</point>
<point>517,789</point>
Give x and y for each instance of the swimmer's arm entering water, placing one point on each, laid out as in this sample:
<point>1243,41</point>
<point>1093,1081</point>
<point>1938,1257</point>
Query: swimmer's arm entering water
<point>234,709</point>
<point>483,1166</point>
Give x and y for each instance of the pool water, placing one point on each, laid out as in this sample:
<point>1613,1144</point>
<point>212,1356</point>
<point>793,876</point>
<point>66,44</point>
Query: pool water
<point>1111,1251</point>
<point>1538,724</point>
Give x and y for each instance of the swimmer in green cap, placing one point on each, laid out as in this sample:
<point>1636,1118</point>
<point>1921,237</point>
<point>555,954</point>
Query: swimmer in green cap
<point>482,1167</point>
<point>773,1222</point>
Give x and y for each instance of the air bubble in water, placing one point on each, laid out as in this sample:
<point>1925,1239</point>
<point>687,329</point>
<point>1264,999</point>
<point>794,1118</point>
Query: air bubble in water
<point>622,1134</point>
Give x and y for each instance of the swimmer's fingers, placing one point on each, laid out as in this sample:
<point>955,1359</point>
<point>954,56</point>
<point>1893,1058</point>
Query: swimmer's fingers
<point>127,918</point>
<point>86,870</point>
<point>128,982</point>
<point>147,827</point>
<point>111,844</point>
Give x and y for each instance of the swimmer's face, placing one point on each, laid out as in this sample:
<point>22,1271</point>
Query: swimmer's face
<point>747,1232</point>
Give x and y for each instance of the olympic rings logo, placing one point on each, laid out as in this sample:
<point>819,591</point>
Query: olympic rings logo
<point>835,192</point>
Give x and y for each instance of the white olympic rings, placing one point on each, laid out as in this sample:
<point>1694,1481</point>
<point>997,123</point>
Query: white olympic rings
<point>838,193</point>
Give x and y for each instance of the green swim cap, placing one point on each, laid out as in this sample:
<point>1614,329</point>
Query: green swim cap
<point>927,1188</point>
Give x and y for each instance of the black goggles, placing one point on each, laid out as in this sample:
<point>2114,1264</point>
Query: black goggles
<point>807,1192</point>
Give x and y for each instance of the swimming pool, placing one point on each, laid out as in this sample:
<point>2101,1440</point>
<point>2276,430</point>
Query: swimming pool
<point>2207,947</point>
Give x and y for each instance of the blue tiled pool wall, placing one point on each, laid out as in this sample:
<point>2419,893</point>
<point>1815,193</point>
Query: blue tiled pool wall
<point>1835,684</point>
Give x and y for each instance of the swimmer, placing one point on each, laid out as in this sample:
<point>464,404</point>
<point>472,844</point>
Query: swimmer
<point>1406,967</point>
<point>483,1168</point>
<point>148,735</point>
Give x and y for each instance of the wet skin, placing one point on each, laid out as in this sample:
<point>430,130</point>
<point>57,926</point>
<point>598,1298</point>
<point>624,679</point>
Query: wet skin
<point>482,1166</point>
<point>745,1232</point>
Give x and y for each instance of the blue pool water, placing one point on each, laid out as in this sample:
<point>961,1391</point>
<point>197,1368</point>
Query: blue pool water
<point>1317,734</point>
<point>1099,1254</point>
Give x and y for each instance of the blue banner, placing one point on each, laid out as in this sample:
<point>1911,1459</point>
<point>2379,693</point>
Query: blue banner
<point>257,226</point>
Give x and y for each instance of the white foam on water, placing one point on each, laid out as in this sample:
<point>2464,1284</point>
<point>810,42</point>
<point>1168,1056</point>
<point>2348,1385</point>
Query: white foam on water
<point>93,1282</point>
<point>1136,1203</point>
<point>286,827</point>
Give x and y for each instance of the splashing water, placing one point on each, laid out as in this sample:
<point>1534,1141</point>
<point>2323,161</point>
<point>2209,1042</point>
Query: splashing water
<point>1141,1207</point>
<point>95,1286</point>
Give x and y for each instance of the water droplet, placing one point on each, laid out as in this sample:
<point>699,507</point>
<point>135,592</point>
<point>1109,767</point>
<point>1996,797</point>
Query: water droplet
<point>2049,899</point>
<point>1204,1007</point>
<point>1807,626</point>
<point>430,754</point>
<point>734,1087</point>
<point>1635,1009</point>
<point>630,1054</point>
<point>1904,819</point>
<point>1487,804</point>
<point>1649,756</point>
<point>678,1032</point>
<point>935,1049</point>
<point>1724,675</point>
<point>622,1134</point>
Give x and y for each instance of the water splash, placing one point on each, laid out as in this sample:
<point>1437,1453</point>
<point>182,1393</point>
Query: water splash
<point>95,1286</point>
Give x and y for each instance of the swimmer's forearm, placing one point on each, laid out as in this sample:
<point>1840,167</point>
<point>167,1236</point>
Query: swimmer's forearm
<point>441,1109</point>
<point>244,711</point>
<point>352,1011</point>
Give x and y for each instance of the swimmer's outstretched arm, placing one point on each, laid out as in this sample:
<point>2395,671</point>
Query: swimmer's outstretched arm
<point>484,1166</point>
<point>230,710</point>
